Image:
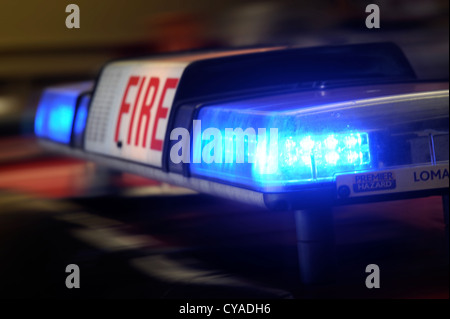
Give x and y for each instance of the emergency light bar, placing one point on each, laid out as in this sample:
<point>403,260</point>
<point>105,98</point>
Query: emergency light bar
<point>283,128</point>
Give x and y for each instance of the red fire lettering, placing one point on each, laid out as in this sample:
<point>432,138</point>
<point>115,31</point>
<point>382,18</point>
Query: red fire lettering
<point>125,107</point>
<point>161,113</point>
<point>130,128</point>
<point>145,110</point>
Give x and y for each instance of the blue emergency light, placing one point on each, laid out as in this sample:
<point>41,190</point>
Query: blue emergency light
<point>56,112</point>
<point>300,154</point>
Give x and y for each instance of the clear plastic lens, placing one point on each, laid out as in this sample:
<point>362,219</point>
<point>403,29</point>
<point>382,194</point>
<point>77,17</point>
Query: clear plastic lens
<point>55,114</point>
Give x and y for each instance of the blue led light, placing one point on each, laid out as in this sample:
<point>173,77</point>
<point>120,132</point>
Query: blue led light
<point>56,110</point>
<point>316,157</point>
<point>298,153</point>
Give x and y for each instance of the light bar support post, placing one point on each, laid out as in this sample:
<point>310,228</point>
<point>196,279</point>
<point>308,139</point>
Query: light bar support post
<point>316,245</point>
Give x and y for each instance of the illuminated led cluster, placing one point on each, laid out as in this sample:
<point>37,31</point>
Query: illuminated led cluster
<point>312,157</point>
<point>329,150</point>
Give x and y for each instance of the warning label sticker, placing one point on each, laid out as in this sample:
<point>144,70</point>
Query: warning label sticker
<point>393,181</point>
<point>374,181</point>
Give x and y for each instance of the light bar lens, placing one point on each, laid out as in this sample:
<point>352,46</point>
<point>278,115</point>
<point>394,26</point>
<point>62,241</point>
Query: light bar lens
<point>267,158</point>
<point>319,136</point>
<point>55,114</point>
